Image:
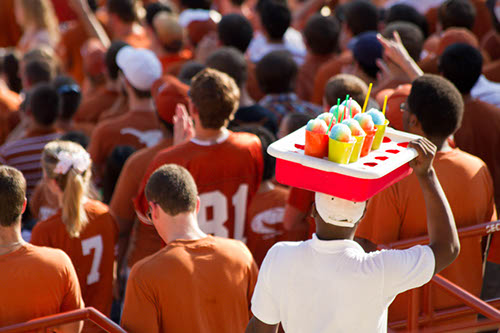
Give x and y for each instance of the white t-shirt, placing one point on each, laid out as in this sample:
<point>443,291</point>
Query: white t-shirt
<point>486,91</point>
<point>293,43</point>
<point>334,286</point>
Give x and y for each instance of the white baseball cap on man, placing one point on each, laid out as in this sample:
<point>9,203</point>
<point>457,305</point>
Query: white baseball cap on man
<point>337,211</point>
<point>141,67</point>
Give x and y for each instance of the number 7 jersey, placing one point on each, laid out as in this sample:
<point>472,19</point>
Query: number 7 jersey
<point>227,173</point>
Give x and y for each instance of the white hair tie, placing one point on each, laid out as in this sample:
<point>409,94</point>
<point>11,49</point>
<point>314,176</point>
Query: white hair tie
<point>80,162</point>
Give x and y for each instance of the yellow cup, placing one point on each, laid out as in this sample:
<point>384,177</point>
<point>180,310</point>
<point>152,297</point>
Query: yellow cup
<point>379,136</point>
<point>340,152</point>
<point>356,151</point>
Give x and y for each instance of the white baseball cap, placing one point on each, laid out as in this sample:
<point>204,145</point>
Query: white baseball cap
<point>141,67</point>
<point>337,211</point>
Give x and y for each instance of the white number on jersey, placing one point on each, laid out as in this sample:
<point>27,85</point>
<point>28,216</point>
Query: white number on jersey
<point>219,204</point>
<point>96,244</point>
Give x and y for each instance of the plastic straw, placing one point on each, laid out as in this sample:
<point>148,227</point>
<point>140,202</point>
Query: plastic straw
<point>367,97</point>
<point>385,105</point>
<point>344,112</point>
<point>350,107</point>
<point>331,122</point>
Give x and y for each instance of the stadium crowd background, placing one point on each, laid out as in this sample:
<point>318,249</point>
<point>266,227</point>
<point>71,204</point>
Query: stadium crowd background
<point>209,85</point>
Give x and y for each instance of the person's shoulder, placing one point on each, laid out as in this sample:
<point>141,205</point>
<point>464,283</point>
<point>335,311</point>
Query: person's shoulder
<point>462,159</point>
<point>49,256</point>
<point>243,139</point>
<point>95,207</point>
<point>48,224</point>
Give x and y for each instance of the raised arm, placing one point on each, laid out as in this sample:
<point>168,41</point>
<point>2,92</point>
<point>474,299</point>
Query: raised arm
<point>441,226</point>
<point>91,24</point>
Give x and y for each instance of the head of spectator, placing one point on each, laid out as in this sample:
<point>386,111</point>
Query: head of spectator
<point>359,16</point>
<point>168,33</point>
<point>122,14</point>
<point>462,65</point>
<point>292,122</point>
<point>321,35</point>
<point>456,35</point>
<point>342,85</point>
<point>112,69</point>
<point>13,201</point>
<point>78,137</point>
<point>70,97</point>
<point>154,8</point>
<point>230,61</point>
<point>67,169</point>
<point>189,70</point>
<point>434,109</point>
<point>235,30</point>
<point>275,19</point>
<point>196,4</point>
<point>93,53</point>
<point>43,106</point>
<point>366,52</point>
<point>140,68</point>
<point>114,165</point>
<point>494,8</point>
<point>175,209</point>
<point>36,16</point>
<point>36,72</point>
<point>276,73</point>
<point>47,62</point>
<point>456,13</point>
<point>10,70</point>
<point>411,37</point>
<point>167,93</point>
<point>214,98</point>
<point>405,13</point>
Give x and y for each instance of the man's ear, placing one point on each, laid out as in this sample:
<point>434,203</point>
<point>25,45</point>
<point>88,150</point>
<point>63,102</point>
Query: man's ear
<point>413,121</point>
<point>197,204</point>
<point>25,203</point>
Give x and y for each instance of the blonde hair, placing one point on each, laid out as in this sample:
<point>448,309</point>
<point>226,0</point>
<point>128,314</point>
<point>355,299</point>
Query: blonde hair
<point>42,14</point>
<point>74,184</point>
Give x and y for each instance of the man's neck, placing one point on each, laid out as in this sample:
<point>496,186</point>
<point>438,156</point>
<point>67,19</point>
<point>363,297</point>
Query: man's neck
<point>10,238</point>
<point>325,231</point>
<point>245,99</point>
<point>208,134</point>
<point>183,227</point>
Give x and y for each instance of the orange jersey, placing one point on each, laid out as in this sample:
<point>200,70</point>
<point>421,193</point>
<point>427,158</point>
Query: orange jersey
<point>398,213</point>
<point>265,221</point>
<point>172,63</point>
<point>93,106</point>
<point>36,282</point>
<point>11,31</point>
<point>145,240</point>
<point>163,294</point>
<point>72,40</point>
<point>227,175</point>
<point>92,254</point>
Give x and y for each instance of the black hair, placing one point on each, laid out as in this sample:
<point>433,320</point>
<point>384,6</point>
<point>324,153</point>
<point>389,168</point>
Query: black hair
<point>275,18</point>
<point>196,4</point>
<point>457,14</point>
<point>110,58</point>
<point>154,8</point>
<point>188,70</point>
<point>462,64</point>
<point>266,138</point>
<point>70,96</point>
<point>44,104</point>
<point>411,37</point>
<point>361,16</point>
<point>406,13</point>
<point>230,61</point>
<point>322,34</point>
<point>38,71</point>
<point>76,136</point>
<point>114,165</point>
<point>10,68</point>
<point>276,73</point>
<point>235,30</point>
<point>124,9</point>
<point>437,104</point>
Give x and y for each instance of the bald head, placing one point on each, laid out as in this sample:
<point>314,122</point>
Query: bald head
<point>168,31</point>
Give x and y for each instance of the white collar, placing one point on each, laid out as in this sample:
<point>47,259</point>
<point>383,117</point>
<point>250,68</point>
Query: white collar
<point>223,137</point>
<point>333,246</point>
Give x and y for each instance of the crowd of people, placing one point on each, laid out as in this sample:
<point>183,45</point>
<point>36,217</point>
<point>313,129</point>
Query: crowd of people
<point>135,177</point>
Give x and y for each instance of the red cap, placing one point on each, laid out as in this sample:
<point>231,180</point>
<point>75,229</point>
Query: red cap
<point>167,92</point>
<point>456,35</point>
<point>199,29</point>
<point>93,53</point>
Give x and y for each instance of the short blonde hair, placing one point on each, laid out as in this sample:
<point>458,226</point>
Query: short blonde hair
<point>41,13</point>
<point>74,184</point>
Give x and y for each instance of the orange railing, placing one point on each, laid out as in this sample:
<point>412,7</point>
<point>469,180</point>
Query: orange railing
<point>44,323</point>
<point>423,318</point>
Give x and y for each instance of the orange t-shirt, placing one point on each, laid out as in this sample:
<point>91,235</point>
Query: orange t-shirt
<point>138,129</point>
<point>36,282</point>
<point>92,254</point>
<point>11,32</point>
<point>145,240</point>
<point>172,63</point>
<point>43,203</point>
<point>492,71</point>
<point>202,285</point>
<point>69,49</point>
<point>306,74</point>
<point>265,221</point>
<point>227,174</point>
<point>491,44</point>
<point>327,71</point>
<point>95,104</point>
<point>398,213</point>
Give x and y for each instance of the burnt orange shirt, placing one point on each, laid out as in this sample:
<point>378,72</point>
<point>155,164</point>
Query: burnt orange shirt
<point>138,129</point>
<point>265,221</point>
<point>43,203</point>
<point>172,63</point>
<point>145,240</point>
<point>327,71</point>
<point>92,253</point>
<point>36,282</point>
<point>199,286</point>
<point>492,71</point>
<point>307,72</point>
<point>227,174</point>
<point>138,39</point>
<point>491,44</point>
<point>11,32</point>
<point>69,49</point>
<point>399,213</point>
<point>94,105</point>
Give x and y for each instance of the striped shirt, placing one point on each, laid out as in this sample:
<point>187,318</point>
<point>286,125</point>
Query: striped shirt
<point>283,104</point>
<point>25,155</point>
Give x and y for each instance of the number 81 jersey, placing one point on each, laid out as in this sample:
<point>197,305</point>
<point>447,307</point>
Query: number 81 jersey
<point>92,253</point>
<point>227,173</point>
